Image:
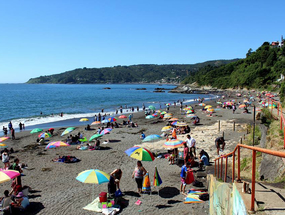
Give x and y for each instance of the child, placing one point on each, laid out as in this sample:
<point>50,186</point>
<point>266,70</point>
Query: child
<point>183,175</point>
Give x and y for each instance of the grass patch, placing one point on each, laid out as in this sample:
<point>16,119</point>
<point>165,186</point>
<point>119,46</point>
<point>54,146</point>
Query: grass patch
<point>266,117</point>
<point>257,135</point>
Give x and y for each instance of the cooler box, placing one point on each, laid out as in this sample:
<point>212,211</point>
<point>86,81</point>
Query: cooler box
<point>103,197</point>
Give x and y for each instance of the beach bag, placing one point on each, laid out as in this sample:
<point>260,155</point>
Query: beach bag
<point>189,178</point>
<point>118,193</point>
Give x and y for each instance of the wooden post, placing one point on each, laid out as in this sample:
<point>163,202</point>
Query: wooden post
<point>218,172</point>
<point>219,125</point>
<point>223,134</point>
<point>215,168</point>
<point>253,181</point>
<point>240,140</point>
<point>253,125</point>
<point>234,126</point>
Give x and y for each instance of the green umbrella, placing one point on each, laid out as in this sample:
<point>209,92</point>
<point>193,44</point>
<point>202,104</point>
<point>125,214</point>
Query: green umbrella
<point>36,130</point>
<point>95,136</point>
<point>151,107</point>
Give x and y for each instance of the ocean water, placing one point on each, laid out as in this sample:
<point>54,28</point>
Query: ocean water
<point>41,104</point>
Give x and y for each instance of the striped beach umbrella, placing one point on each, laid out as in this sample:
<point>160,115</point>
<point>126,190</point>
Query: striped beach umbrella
<point>96,123</point>
<point>140,153</point>
<point>112,119</point>
<point>173,119</point>
<point>166,128</point>
<point>44,135</point>
<point>56,144</point>
<point>95,136</point>
<point>68,130</point>
<point>93,176</point>
<point>7,175</point>
<point>202,104</point>
<point>172,144</point>
<point>106,131</point>
<point>181,124</point>
<point>156,178</point>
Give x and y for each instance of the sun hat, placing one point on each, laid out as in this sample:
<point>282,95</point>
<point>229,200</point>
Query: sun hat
<point>20,194</point>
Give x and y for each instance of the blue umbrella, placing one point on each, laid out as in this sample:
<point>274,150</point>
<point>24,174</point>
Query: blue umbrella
<point>152,137</point>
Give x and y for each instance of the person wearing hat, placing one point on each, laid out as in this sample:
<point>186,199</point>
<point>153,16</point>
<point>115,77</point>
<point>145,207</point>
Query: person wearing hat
<point>20,203</point>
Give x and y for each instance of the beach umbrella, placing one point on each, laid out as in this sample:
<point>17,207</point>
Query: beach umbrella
<point>166,128</point>
<point>173,143</point>
<point>96,123</point>
<point>83,120</point>
<point>208,106</point>
<point>51,129</point>
<point>149,117</point>
<point>242,106</point>
<point>168,104</point>
<point>210,110</point>
<point>155,115</point>
<point>140,153</point>
<point>181,124</point>
<point>156,178</point>
<point>93,176</point>
<point>36,130</point>
<point>146,183</point>
<point>105,121</point>
<point>202,104</point>
<point>190,111</point>
<point>68,130</point>
<point>191,115</point>
<point>219,103</point>
<point>95,136</point>
<point>7,175</point>
<point>122,117</point>
<point>173,119</point>
<point>84,139</point>
<point>44,135</point>
<point>168,115</point>
<point>229,103</point>
<point>56,144</point>
<point>112,119</point>
<point>151,107</point>
<point>2,139</point>
<point>2,146</point>
<point>151,137</point>
<point>174,123</point>
<point>163,112</point>
<point>106,131</point>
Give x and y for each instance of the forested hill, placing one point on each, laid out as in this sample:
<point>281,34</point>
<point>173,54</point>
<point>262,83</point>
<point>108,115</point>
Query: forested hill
<point>144,73</point>
<point>259,69</point>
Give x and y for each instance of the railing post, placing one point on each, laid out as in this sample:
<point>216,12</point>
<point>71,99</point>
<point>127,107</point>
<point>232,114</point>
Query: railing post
<point>284,136</point>
<point>253,180</point>
<point>281,122</point>
<point>238,179</point>
<point>226,169</point>
<point>215,168</point>
<point>221,174</point>
<point>218,173</point>
<point>233,173</point>
<point>278,108</point>
<point>219,125</point>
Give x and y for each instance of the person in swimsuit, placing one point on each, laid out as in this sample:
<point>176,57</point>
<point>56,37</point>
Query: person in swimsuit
<point>138,174</point>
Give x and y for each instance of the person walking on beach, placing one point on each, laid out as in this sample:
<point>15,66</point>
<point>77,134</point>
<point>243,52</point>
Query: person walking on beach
<point>10,126</point>
<point>5,159</point>
<point>20,126</point>
<point>130,117</point>
<point>138,174</point>
<point>5,131</point>
<point>191,143</point>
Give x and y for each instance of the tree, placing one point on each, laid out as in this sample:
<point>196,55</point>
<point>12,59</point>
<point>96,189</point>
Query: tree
<point>249,52</point>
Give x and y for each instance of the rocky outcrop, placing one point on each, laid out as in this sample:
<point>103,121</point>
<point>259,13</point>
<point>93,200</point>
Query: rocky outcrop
<point>194,89</point>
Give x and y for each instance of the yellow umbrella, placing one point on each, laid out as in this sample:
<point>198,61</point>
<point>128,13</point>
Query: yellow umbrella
<point>84,120</point>
<point>173,119</point>
<point>208,106</point>
<point>210,110</point>
<point>96,123</point>
<point>166,128</point>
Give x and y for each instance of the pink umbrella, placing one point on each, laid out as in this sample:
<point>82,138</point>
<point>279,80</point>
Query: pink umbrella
<point>122,117</point>
<point>7,175</point>
<point>106,131</point>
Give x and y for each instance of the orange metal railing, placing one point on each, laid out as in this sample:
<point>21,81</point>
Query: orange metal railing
<point>219,161</point>
<point>219,165</point>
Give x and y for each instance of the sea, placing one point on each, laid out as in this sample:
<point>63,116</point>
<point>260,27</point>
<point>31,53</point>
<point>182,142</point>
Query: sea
<point>40,105</point>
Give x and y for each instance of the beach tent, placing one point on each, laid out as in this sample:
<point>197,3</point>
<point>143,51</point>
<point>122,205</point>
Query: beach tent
<point>156,178</point>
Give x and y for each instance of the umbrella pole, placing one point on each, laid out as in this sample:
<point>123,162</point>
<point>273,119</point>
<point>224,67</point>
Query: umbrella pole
<point>93,193</point>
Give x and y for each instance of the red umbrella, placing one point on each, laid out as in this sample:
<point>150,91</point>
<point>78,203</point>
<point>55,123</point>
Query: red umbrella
<point>122,117</point>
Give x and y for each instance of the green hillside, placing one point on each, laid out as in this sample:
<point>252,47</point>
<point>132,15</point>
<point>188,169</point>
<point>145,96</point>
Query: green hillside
<point>259,69</point>
<point>144,73</point>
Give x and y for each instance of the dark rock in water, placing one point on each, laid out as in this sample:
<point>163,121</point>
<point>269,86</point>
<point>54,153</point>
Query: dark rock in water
<point>159,91</point>
<point>141,89</point>
<point>107,88</point>
<point>159,88</point>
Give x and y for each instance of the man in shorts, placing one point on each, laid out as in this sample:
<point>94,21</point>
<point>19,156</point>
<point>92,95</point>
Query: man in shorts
<point>218,142</point>
<point>183,175</point>
<point>191,143</point>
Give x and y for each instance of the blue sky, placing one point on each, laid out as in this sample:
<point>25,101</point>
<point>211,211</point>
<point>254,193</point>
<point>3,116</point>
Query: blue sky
<point>49,37</point>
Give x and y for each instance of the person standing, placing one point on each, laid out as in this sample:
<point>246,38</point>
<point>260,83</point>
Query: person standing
<point>185,152</point>
<point>20,126</point>
<point>191,143</point>
<point>13,133</point>
<point>5,159</point>
<point>130,117</point>
<point>10,126</point>
<point>183,174</point>
<point>138,174</point>
<point>220,141</point>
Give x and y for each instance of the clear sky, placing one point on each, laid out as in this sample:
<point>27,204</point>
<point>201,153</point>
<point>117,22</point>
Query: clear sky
<point>48,37</point>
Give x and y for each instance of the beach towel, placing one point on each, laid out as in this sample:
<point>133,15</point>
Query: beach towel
<point>94,206</point>
<point>146,184</point>
<point>193,196</point>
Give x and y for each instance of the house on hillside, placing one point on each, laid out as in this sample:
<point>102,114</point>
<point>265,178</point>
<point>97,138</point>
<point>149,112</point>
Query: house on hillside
<point>278,43</point>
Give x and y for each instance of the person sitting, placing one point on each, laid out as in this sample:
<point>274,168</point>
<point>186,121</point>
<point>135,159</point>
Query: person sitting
<point>20,204</point>
<point>41,141</point>
<point>203,160</point>
<point>88,127</point>
<point>196,120</point>
<point>142,136</point>
<point>245,110</point>
<point>97,144</point>
<point>6,200</point>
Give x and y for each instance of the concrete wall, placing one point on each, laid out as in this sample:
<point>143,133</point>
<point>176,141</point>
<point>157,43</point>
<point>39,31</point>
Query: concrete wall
<point>225,199</point>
